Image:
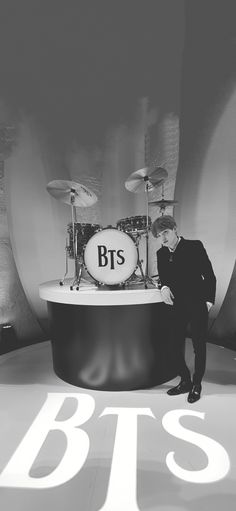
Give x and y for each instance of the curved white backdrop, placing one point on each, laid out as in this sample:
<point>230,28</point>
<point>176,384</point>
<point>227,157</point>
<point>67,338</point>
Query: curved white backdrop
<point>208,209</point>
<point>37,222</point>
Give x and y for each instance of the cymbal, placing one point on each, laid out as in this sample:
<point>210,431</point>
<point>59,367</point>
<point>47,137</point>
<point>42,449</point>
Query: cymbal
<point>138,180</point>
<point>72,193</point>
<point>163,203</point>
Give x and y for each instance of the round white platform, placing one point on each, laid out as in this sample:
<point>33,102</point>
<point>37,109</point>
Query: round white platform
<point>89,294</point>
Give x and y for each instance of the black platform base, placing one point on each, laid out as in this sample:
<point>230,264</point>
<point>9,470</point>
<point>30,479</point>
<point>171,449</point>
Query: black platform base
<point>122,347</point>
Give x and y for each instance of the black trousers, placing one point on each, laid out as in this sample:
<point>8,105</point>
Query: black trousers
<point>195,315</point>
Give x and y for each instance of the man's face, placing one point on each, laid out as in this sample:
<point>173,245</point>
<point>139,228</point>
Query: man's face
<point>168,237</point>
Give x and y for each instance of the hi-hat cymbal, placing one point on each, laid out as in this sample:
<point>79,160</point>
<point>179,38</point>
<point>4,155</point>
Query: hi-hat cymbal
<point>138,180</point>
<point>72,193</point>
<point>163,203</point>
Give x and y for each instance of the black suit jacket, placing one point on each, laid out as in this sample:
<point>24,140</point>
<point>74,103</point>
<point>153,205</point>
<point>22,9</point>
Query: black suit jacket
<point>187,272</point>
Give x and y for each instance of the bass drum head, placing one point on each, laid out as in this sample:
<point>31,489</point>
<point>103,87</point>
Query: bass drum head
<point>110,256</point>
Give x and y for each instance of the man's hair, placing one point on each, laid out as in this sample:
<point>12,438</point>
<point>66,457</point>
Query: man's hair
<point>161,223</point>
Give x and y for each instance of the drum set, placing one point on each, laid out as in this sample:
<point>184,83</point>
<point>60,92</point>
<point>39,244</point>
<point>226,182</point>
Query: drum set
<point>109,255</point>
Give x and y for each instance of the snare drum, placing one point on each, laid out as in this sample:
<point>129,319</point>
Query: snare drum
<point>110,256</point>
<point>134,224</point>
<point>83,232</point>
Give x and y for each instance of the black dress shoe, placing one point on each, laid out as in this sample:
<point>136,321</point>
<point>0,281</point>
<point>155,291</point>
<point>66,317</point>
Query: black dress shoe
<point>195,393</point>
<point>182,388</point>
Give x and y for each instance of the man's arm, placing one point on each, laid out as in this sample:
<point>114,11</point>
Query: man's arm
<point>208,275</point>
<point>166,293</point>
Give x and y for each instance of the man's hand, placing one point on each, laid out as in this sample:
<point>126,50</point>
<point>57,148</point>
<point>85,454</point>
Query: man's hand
<point>209,305</point>
<point>167,295</point>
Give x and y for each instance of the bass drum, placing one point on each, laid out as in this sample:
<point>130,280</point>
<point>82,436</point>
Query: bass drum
<point>110,256</point>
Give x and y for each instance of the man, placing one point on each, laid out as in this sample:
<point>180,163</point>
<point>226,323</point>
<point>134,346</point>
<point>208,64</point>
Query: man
<point>188,288</point>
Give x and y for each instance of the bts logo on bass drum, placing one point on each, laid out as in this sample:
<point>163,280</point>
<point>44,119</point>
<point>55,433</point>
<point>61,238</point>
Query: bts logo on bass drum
<point>111,256</point>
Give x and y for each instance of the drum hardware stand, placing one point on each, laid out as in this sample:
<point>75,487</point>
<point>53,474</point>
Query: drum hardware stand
<point>147,178</point>
<point>62,281</point>
<point>78,267</point>
<point>148,185</point>
<point>163,203</point>
<point>136,278</point>
<point>142,277</point>
<point>78,264</point>
<point>73,218</point>
<point>146,278</point>
<point>162,206</point>
<point>78,275</point>
<point>74,194</point>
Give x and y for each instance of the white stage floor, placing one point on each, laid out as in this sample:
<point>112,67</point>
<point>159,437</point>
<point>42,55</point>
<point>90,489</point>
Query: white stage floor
<point>111,454</point>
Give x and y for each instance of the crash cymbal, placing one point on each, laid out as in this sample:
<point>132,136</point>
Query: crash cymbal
<point>138,180</point>
<point>163,203</point>
<point>72,193</point>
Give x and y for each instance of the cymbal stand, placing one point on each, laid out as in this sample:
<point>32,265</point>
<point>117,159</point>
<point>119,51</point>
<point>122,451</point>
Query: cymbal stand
<point>62,281</point>
<point>77,257</point>
<point>148,186</point>
<point>162,208</point>
<point>147,278</point>
<point>144,276</point>
<point>146,180</point>
<point>74,244</point>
